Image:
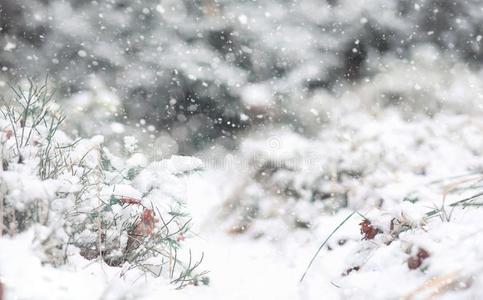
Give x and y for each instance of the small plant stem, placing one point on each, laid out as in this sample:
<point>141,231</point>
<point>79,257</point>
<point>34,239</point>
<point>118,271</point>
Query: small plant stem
<point>325,242</point>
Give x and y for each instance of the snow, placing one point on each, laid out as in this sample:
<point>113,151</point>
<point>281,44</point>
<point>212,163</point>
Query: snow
<point>260,216</point>
<point>298,149</point>
<point>271,256</point>
<point>257,96</point>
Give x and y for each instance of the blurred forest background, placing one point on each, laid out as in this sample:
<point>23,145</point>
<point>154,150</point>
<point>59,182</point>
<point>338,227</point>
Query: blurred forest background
<point>194,72</point>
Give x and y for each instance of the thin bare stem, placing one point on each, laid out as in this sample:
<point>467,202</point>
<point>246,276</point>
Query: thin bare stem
<point>323,244</point>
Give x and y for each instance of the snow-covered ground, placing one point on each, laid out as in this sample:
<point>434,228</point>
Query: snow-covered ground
<point>392,204</point>
<point>413,173</point>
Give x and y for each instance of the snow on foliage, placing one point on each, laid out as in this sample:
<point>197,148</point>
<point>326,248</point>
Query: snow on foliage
<point>80,199</point>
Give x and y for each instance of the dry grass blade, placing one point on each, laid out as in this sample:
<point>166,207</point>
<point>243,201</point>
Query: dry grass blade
<point>454,187</point>
<point>436,286</point>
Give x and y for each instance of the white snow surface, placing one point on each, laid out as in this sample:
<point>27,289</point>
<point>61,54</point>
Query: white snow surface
<point>415,167</point>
